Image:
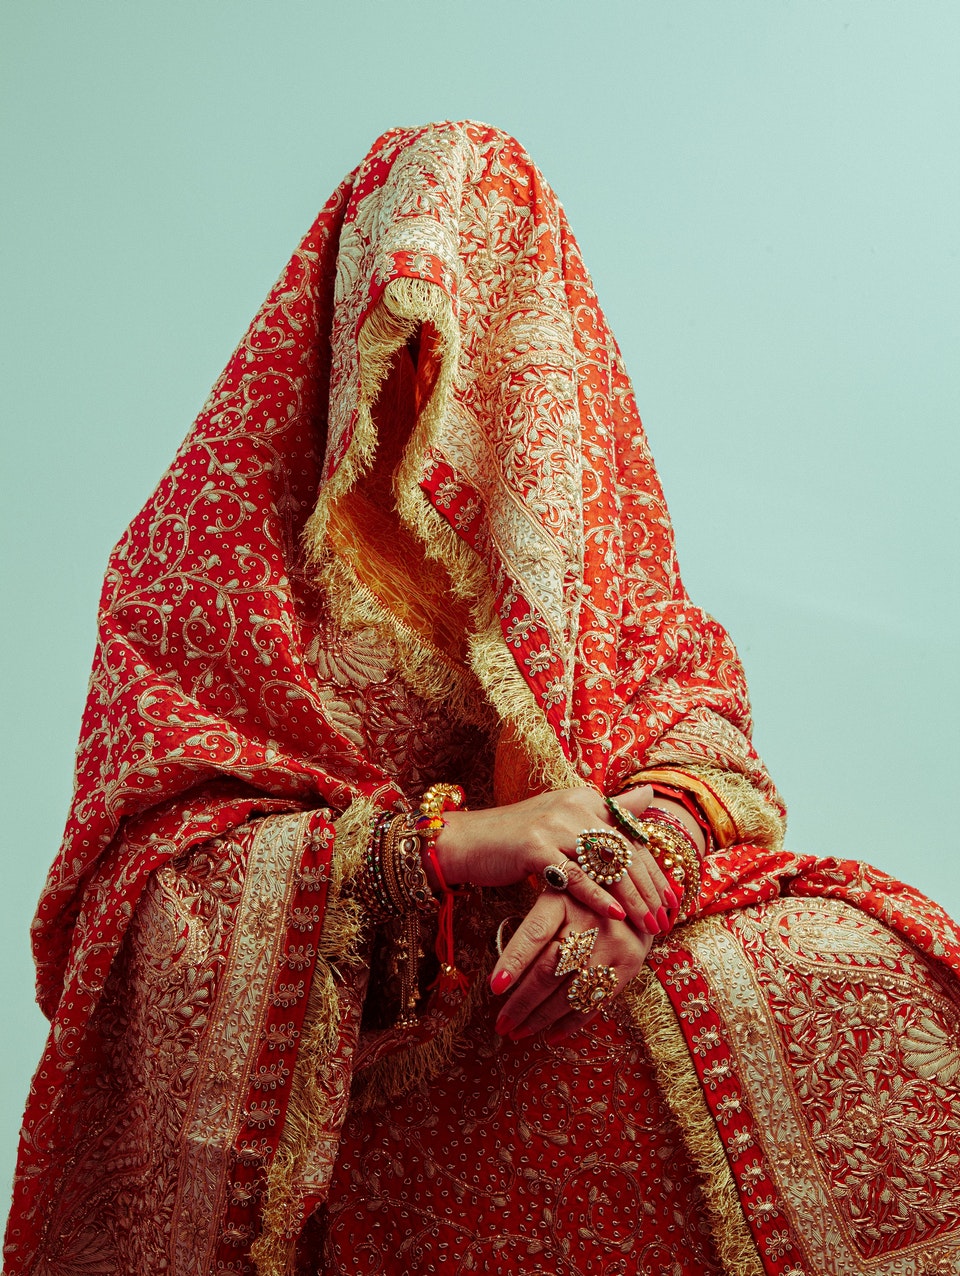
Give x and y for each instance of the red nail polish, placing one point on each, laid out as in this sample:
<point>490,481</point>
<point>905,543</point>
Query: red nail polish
<point>501,981</point>
<point>663,919</point>
<point>616,911</point>
<point>669,898</point>
<point>504,1026</point>
<point>650,924</point>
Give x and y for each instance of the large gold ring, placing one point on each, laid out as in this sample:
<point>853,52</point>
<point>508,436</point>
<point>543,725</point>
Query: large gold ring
<point>575,950</point>
<point>625,821</point>
<point>603,854</point>
<point>591,987</point>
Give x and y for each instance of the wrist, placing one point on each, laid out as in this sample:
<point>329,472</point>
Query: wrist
<point>449,849</point>
<point>680,812</point>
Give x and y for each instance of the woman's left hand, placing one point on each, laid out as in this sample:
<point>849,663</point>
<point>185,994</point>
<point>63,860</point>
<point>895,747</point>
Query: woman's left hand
<point>538,999</point>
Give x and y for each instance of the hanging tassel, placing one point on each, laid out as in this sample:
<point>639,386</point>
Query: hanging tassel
<point>450,978</point>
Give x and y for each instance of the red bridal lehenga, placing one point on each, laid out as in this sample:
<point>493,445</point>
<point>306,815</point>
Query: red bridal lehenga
<point>416,535</point>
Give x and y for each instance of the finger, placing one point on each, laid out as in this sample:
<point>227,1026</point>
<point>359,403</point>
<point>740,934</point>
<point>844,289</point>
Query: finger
<point>538,986</point>
<point>543,1015</point>
<point>528,941</point>
<point>584,888</point>
<point>636,800</point>
<point>567,1025</point>
<point>640,872</point>
<point>639,914</point>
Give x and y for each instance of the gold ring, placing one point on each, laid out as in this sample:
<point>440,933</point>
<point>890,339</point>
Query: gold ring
<point>499,942</point>
<point>603,854</point>
<point>591,987</point>
<point>575,950</point>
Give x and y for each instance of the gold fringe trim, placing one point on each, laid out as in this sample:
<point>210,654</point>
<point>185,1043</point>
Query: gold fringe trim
<point>404,306</point>
<point>737,811</point>
<point>755,818</point>
<point>307,1119</point>
<point>652,1017</point>
<point>412,1067</point>
<point>424,667</point>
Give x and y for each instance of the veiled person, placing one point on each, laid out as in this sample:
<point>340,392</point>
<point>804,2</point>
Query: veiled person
<point>311,1013</point>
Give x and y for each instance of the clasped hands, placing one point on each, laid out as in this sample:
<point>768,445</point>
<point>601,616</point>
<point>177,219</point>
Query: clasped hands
<point>506,844</point>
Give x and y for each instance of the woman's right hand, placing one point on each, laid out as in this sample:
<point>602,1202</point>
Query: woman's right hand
<point>528,965</point>
<point>505,844</point>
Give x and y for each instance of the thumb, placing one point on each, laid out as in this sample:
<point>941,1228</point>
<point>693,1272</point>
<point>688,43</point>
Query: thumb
<point>636,800</point>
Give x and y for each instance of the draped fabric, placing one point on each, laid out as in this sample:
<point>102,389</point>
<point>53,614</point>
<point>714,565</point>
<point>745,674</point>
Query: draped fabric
<point>419,496</point>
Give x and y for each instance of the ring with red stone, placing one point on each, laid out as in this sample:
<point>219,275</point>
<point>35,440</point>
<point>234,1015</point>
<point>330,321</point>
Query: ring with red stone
<point>556,875</point>
<point>604,855</point>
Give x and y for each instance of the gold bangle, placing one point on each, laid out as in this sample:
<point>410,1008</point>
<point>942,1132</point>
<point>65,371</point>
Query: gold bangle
<point>677,856</point>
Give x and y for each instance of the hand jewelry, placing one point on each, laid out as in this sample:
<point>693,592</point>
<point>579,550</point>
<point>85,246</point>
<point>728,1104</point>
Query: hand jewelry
<point>556,875</point>
<point>500,942</point>
<point>604,855</point>
<point>626,822</point>
<point>592,986</point>
<point>575,950</point>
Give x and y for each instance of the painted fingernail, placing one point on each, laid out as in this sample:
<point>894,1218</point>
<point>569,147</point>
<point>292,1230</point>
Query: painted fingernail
<point>650,924</point>
<point>669,898</point>
<point>501,981</point>
<point>616,911</point>
<point>663,919</point>
<point>504,1026</point>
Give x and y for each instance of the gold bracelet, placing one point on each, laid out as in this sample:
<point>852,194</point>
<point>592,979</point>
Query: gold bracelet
<point>675,851</point>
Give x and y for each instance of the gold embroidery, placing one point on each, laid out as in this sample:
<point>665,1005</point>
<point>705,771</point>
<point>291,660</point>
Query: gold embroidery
<point>850,1074</point>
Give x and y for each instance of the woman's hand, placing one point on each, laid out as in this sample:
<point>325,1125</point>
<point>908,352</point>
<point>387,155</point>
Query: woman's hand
<point>528,965</point>
<point>505,844</point>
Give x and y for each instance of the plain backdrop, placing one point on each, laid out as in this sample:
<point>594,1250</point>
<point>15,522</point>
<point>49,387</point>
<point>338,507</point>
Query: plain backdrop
<point>767,195</point>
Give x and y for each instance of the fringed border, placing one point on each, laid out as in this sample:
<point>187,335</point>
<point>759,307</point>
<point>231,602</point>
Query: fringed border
<point>411,1067</point>
<point>307,1118</point>
<point>653,1018</point>
<point>405,304</point>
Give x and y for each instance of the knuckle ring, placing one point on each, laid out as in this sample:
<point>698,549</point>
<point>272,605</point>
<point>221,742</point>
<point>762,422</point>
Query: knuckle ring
<point>591,987</point>
<point>575,950</point>
<point>556,875</point>
<point>603,854</point>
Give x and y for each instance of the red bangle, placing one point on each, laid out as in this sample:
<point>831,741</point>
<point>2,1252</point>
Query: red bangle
<point>689,804</point>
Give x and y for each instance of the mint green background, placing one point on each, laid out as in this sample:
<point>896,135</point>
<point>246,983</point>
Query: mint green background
<point>767,195</point>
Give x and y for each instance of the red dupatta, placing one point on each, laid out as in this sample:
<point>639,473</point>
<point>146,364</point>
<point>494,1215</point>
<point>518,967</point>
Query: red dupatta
<point>527,476</point>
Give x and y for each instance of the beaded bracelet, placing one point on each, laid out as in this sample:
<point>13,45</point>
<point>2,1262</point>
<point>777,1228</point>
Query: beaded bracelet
<point>392,885</point>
